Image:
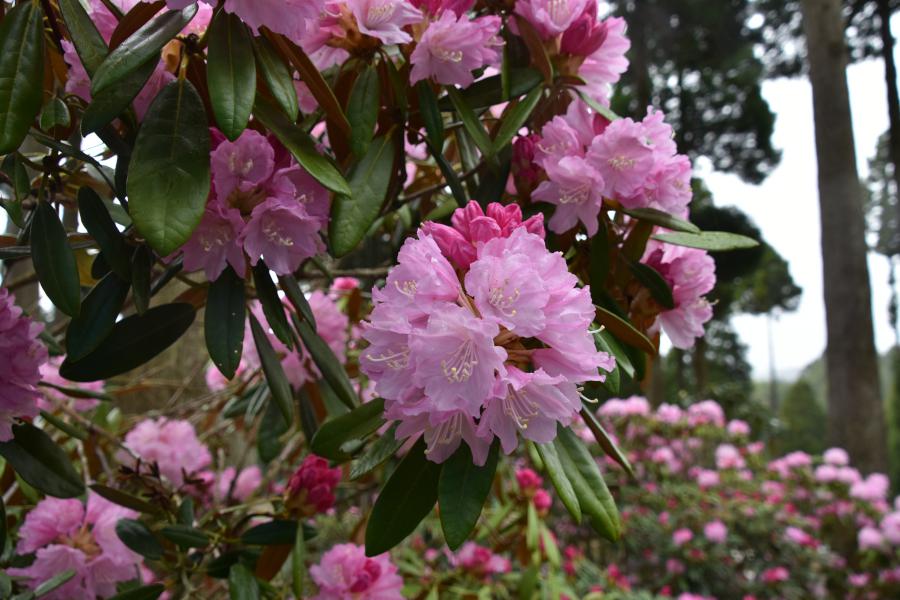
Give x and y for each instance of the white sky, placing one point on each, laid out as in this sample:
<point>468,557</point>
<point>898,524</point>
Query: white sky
<point>786,209</point>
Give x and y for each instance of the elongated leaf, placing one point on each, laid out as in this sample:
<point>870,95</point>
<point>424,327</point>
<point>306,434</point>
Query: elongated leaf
<point>554,470</point>
<point>362,110</point>
<point>54,261</point>
<point>297,299</point>
<point>588,484</point>
<point>406,499</point>
<point>453,181</point>
<point>624,330</point>
<point>714,241</point>
<point>462,492</point>
<point>185,536</point>
<point>141,46</point>
<point>271,304</point>
<point>273,371</point>
<point>224,322</point>
<point>87,39</point>
<point>536,48</point>
<point>168,180</point>
<point>613,379</point>
<point>133,341</point>
<point>96,219</point>
<point>471,123</point>
<point>272,427</point>
<point>277,77</point>
<point>489,91</point>
<point>351,216</point>
<point>40,462</point>
<point>655,284</point>
<point>383,448</point>
<point>53,583</point>
<point>113,101</point>
<point>515,118</point>
<point>125,499</point>
<point>70,430</point>
<point>55,114</point>
<point>599,268</point>
<point>98,315</point>
<point>2,526</point>
<point>141,274</point>
<point>298,563</point>
<point>21,72</point>
<point>663,219</point>
<point>145,592</point>
<point>21,187</point>
<point>431,114</point>
<point>301,145</point>
<point>605,440</point>
<point>231,73</point>
<point>354,425</point>
<point>242,584</point>
<point>276,532</point>
<point>598,108</point>
<point>328,364</point>
<point>138,538</point>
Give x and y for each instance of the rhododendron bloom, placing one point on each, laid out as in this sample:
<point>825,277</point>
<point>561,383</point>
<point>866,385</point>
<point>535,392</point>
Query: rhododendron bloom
<point>550,17</point>
<point>21,357</point>
<point>576,189</point>
<point>64,535</point>
<point>52,397</point>
<point>241,487</point>
<point>452,47</point>
<point>873,488</point>
<point>435,7</point>
<point>729,457</point>
<point>682,536</point>
<point>346,573</point>
<point>281,16</point>
<point>479,560</point>
<point>716,532</point>
<point>890,528</point>
<point>446,351</point>
<point>775,575</point>
<point>870,538</point>
<point>837,457</point>
<point>311,488</point>
<point>283,233</point>
<point>215,243</point>
<point>170,443</point>
<point>385,19</point>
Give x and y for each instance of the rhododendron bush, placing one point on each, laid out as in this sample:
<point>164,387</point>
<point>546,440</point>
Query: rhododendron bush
<point>417,248</point>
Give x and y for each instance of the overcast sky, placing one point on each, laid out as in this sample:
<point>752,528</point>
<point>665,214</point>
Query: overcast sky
<point>786,209</point>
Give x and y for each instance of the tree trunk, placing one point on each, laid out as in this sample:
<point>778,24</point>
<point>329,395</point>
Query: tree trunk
<point>855,410</point>
<point>890,77</point>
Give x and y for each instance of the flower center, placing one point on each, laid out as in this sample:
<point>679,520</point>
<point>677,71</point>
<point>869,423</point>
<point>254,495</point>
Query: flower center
<point>274,234</point>
<point>447,432</point>
<point>380,13</point>
<point>396,360</point>
<point>519,408</point>
<point>502,302</point>
<point>574,196</point>
<point>82,540</point>
<point>620,163</point>
<point>454,56</point>
<point>458,366</point>
<point>407,288</point>
<point>558,10</point>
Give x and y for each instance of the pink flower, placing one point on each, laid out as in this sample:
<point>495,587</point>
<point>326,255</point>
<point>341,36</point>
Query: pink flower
<point>858,579</point>
<point>682,536</point>
<point>669,413</point>
<point>716,532</point>
<point>434,7</point>
<point>674,566</point>
<point>283,233</point>
<point>171,444</point>
<point>707,412</point>
<point>21,358</point>
<point>890,527</point>
<point>528,480</point>
<point>738,428</point>
<point>586,35</point>
<point>728,457</point>
<point>550,17</point>
<point>837,457</point>
<point>576,189</point>
<point>624,158</point>
<point>310,490</point>
<point>775,575</point>
<point>542,501</point>
<point>385,19</point>
<point>605,65</point>
<point>240,167</point>
<point>798,536</point>
<point>479,560</point>
<point>281,16</point>
<point>64,535</point>
<point>345,573</point>
<point>707,478</point>
<point>633,406</point>
<point>52,398</point>
<point>869,538</point>
<point>454,46</point>
<point>215,242</point>
<point>247,482</point>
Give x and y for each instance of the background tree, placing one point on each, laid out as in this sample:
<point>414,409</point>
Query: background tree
<point>802,420</point>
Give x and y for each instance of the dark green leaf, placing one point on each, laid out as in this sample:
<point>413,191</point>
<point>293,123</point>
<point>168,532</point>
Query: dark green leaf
<point>124,499</point>
<point>242,584</point>
<point>99,311</point>
<point>185,536</point>
<point>462,492</point>
<point>70,430</point>
<point>272,369</point>
<point>21,72</point>
<point>328,364</point>
<point>296,297</point>
<point>53,583</point>
<point>301,145</point>
<point>598,108</point>
<point>186,511</point>
<point>613,379</point>
<point>352,215</point>
<point>362,110</point>
<point>271,427</point>
<point>41,463</point>
<point>406,499</point>
<point>624,330</point>
<point>714,241</point>
<point>383,448</point>
<point>605,440</point>
<point>141,273</point>
<point>453,181</point>
<point>274,533</point>
<point>554,470</point>
<point>587,481</point>
<point>272,306</point>
<point>96,219</point>
<point>113,101</point>
<point>607,342</point>
<point>663,219</point>
<point>138,538</point>
<point>21,187</point>
<point>231,73</point>
<point>515,118</point>
<point>354,425</point>
<point>55,114</point>
<point>655,284</point>
<point>133,341</point>
<point>141,46</point>
<point>277,77</point>
<point>146,592</point>
<point>2,526</point>
<point>431,114</point>
<point>599,268</point>
<point>298,563</point>
<point>488,92</point>
<point>224,322</point>
<point>471,122</point>
<point>54,261</point>
<point>84,34</point>
<point>168,180</point>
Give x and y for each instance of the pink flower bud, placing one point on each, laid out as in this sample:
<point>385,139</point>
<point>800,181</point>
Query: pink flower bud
<point>311,489</point>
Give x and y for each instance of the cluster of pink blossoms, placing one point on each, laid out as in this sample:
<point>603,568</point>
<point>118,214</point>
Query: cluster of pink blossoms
<point>171,444</point>
<point>346,573</point>
<point>588,158</point>
<point>21,359</point>
<point>263,204</point>
<point>64,535</point>
<point>310,490</point>
<point>481,332</point>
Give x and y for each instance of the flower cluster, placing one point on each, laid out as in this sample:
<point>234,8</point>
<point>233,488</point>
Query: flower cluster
<point>490,349</point>
<point>21,359</point>
<point>346,573</point>
<point>171,444</point>
<point>310,489</point>
<point>263,204</point>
